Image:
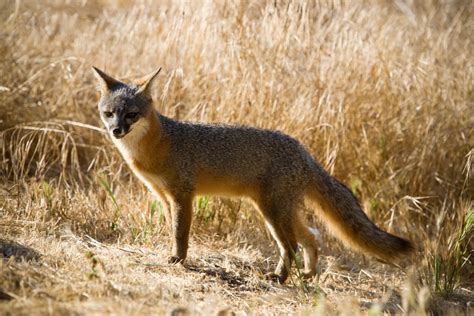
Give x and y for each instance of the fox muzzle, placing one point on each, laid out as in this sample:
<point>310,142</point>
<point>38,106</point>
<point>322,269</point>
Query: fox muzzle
<point>118,132</point>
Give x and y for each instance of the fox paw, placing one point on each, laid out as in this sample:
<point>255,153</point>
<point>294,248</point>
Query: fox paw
<point>175,260</point>
<point>308,275</point>
<point>272,276</point>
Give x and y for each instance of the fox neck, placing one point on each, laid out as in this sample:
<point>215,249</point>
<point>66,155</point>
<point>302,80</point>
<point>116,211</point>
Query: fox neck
<point>145,133</point>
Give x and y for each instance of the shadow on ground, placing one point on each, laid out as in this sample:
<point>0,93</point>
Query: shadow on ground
<point>391,305</point>
<point>10,248</point>
<point>238,276</point>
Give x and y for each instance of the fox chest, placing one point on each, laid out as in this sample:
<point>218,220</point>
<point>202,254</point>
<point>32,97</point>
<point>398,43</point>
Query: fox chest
<point>152,179</point>
<point>128,149</point>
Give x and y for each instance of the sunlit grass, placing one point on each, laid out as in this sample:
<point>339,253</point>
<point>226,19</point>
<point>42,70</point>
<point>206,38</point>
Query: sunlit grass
<point>380,93</point>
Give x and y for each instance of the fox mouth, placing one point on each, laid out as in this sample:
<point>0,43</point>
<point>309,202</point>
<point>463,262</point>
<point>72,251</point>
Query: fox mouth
<point>121,135</point>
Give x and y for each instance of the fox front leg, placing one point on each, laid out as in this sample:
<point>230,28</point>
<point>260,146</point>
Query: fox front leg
<point>181,216</point>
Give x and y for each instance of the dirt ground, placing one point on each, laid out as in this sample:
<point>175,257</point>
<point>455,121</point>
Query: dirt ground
<point>53,271</point>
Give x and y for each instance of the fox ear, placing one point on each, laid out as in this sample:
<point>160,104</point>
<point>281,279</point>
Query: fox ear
<point>106,82</point>
<point>144,84</point>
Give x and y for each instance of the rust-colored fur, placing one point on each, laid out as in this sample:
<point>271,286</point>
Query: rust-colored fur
<point>178,160</point>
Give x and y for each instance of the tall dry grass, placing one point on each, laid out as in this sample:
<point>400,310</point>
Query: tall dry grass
<point>381,93</point>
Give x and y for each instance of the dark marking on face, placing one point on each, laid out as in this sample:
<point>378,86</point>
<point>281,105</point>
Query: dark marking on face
<point>121,108</point>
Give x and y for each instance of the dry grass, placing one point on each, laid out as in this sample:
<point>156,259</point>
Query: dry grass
<point>381,93</point>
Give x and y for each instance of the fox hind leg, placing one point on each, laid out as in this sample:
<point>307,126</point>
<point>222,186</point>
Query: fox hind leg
<point>278,219</point>
<point>308,241</point>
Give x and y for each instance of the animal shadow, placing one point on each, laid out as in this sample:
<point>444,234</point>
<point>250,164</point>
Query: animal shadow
<point>10,248</point>
<point>238,278</point>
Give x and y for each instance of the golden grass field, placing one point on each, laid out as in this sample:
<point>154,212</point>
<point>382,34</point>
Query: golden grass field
<point>380,92</point>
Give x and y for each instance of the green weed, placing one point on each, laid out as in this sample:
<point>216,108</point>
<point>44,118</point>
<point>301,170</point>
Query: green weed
<point>203,212</point>
<point>447,269</point>
<point>105,184</point>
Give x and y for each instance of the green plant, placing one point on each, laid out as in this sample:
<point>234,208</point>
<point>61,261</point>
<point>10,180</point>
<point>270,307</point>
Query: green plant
<point>48,193</point>
<point>447,267</point>
<point>105,184</point>
<point>94,262</point>
<point>204,212</point>
<point>152,223</point>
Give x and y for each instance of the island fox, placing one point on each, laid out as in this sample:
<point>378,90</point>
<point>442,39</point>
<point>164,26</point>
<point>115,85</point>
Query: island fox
<point>178,160</point>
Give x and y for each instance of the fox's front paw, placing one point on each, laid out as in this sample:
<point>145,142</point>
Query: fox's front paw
<point>175,260</point>
<point>272,276</point>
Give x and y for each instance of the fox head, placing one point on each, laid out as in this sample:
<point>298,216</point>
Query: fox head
<point>122,105</point>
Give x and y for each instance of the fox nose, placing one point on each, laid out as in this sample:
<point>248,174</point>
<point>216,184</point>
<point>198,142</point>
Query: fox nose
<point>120,132</point>
<point>116,131</point>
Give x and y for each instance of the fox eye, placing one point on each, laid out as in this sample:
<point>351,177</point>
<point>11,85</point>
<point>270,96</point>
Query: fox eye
<point>108,114</point>
<point>131,115</point>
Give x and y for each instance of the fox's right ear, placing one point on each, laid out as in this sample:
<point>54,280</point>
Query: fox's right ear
<point>144,83</point>
<point>106,82</point>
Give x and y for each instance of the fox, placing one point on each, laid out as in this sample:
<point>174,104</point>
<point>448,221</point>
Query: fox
<point>179,160</point>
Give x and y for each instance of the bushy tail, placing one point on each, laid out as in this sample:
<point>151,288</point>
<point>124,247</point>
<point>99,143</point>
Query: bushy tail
<point>340,209</point>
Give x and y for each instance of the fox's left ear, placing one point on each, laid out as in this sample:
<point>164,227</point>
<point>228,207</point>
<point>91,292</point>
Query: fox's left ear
<point>144,84</point>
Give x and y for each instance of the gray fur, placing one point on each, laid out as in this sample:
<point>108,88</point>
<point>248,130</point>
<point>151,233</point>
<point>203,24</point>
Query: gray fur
<point>181,160</point>
<point>122,102</point>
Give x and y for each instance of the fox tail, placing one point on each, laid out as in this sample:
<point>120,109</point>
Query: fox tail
<point>340,209</point>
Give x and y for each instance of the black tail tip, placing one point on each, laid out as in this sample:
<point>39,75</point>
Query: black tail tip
<point>403,247</point>
<point>398,249</point>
